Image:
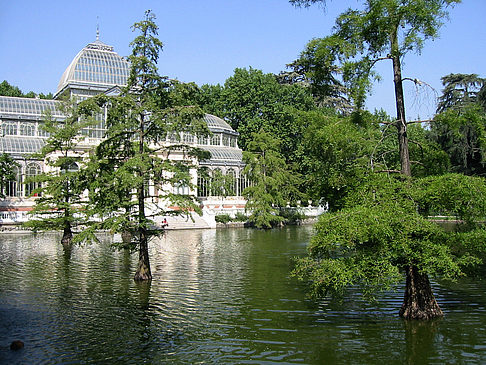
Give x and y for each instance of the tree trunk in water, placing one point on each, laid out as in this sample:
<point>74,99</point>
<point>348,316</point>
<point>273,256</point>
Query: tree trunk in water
<point>143,268</point>
<point>419,301</point>
<point>67,236</point>
<point>126,237</point>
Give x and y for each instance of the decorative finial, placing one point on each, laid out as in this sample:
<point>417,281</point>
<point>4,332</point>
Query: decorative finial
<point>97,28</point>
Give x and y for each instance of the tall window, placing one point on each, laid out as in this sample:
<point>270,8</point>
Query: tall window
<point>188,137</point>
<point>231,184</point>
<point>27,129</point>
<point>202,183</point>
<point>202,140</point>
<point>225,140</point>
<point>32,170</point>
<point>242,183</point>
<point>215,139</point>
<point>14,187</point>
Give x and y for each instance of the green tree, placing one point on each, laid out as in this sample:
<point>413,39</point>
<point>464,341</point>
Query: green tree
<point>251,99</point>
<point>459,128</point>
<point>272,185</point>
<point>135,169</point>
<point>380,233</point>
<point>337,155</point>
<point>459,91</point>
<point>7,172</point>
<point>60,202</point>
<point>9,90</point>
<point>387,30</point>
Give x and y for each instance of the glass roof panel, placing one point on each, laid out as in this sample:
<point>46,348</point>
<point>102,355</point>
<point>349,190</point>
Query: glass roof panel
<point>224,153</point>
<point>20,145</point>
<point>217,124</point>
<point>28,106</point>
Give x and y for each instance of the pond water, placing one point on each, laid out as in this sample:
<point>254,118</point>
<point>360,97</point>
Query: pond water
<point>217,297</point>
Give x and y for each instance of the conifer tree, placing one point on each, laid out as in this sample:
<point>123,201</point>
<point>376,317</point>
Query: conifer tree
<point>59,203</point>
<point>135,169</point>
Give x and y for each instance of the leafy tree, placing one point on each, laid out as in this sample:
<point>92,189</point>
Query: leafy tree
<point>459,128</point>
<point>59,205</point>
<point>272,185</point>
<point>380,233</point>
<point>387,30</point>
<point>9,90</point>
<point>318,66</point>
<point>251,100</point>
<point>459,91</point>
<point>7,172</point>
<point>337,154</point>
<point>383,30</point>
<point>135,169</point>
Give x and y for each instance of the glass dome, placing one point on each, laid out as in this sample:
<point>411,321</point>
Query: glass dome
<point>96,64</point>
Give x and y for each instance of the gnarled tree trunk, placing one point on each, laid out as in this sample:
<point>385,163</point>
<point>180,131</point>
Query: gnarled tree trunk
<point>419,301</point>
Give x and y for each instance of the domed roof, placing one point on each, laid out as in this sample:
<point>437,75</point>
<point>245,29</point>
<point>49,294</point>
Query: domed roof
<point>216,124</point>
<point>96,64</point>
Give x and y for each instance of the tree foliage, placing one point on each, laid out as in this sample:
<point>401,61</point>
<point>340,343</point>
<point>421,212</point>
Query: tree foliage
<point>346,254</point>
<point>380,233</point>
<point>134,170</point>
<point>10,90</point>
<point>459,128</point>
<point>60,204</point>
<point>272,185</point>
<point>7,172</point>
<point>251,100</point>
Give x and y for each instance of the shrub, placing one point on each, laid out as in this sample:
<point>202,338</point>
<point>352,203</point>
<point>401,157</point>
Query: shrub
<point>223,218</point>
<point>240,217</point>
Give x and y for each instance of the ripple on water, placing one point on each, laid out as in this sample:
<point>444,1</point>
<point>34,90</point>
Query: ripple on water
<point>218,296</point>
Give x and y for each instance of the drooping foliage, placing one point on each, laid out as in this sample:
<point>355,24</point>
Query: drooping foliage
<point>379,30</point>
<point>272,184</point>
<point>383,230</point>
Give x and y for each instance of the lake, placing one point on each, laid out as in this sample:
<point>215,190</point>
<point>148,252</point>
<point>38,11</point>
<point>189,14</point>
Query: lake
<point>217,297</point>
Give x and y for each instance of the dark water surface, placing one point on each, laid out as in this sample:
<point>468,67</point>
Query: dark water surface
<point>217,297</point>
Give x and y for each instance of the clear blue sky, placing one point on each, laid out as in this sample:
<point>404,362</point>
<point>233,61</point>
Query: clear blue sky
<point>204,41</point>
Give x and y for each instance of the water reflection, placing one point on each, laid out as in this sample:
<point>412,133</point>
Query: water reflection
<point>218,296</point>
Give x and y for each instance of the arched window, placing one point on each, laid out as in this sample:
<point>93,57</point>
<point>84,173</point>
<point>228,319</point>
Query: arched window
<point>32,170</point>
<point>216,139</point>
<point>217,182</point>
<point>9,128</point>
